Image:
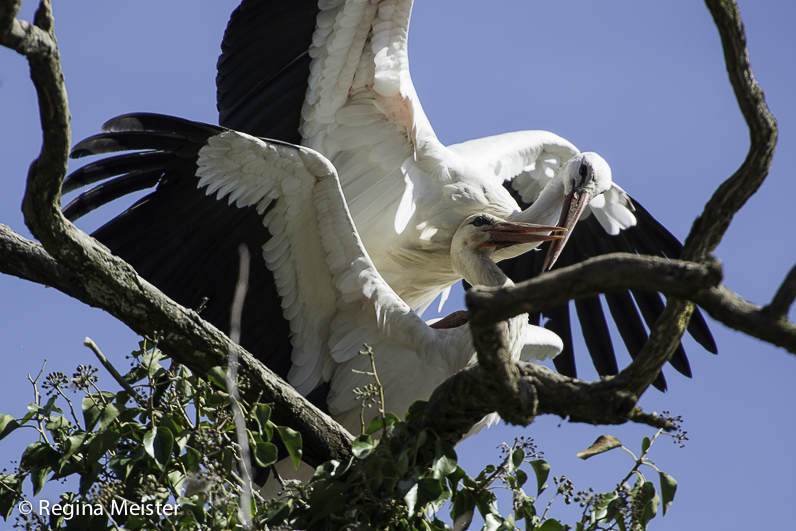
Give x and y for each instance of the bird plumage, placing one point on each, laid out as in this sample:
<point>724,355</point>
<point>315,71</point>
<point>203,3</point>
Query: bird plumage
<point>361,110</point>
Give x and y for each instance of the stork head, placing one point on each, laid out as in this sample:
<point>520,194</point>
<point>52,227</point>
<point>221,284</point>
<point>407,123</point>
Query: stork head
<point>480,235</point>
<point>586,175</point>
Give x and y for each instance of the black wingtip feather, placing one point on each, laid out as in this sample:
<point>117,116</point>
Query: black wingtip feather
<point>109,191</point>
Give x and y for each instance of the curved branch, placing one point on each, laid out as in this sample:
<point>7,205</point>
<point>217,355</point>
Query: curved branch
<point>602,274</point>
<point>734,311</point>
<point>783,298</point>
<point>182,334</point>
<point>83,268</point>
<point>709,228</point>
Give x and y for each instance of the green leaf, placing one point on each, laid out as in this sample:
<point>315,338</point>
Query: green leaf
<point>522,477</point>
<point>7,425</point>
<point>73,444</point>
<point>10,484</point>
<point>276,513</point>
<point>464,502</point>
<point>193,506</point>
<point>94,410</point>
<point>645,444</point>
<point>425,491</point>
<point>58,423</point>
<point>445,459</point>
<point>650,500</point>
<point>265,454</point>
<point>292,441</point>
<point>377,423</point>
<point>668,489</point>
<point>151,361</point>
<point>39,478</point>
<point>191,459</point>
<point>158,443</point>
<point>516,459</point>
<point>487,503</point>
<point>602,444</point>
<point>362,446</point>
<point>542,470</point>
<point>262,414</point>
<point>550,525</point>
<point>218,377</point>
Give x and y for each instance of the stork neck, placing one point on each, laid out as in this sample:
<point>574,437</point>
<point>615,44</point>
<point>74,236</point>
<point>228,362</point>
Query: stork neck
<point>480,270</point>
<point>546,210</point>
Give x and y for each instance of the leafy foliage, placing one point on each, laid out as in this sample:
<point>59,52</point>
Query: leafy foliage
<point>172,444</point>
<point>169,440</point>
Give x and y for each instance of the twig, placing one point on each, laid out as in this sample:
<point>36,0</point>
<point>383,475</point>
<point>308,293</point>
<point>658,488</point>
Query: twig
<point>113,372</point>
<point>241,287</point>
<point>784,297</point>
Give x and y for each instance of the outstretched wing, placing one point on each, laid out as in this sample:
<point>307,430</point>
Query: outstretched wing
<point>331,295</point>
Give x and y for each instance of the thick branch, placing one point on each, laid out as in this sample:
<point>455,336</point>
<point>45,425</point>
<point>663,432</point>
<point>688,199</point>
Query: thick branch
<point>602,274</point>
<point>727,307</point>
<point>664,338</point>
<point>709,228</point>
<point>182,334</point>
<point>783,299</point>
<point>464,399</point>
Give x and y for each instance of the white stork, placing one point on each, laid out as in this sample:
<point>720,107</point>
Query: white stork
<point>407,193</point>
<point>334,297</point>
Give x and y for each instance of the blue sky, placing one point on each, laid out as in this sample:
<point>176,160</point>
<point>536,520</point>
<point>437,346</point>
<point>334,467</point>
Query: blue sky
<point>641,83</point>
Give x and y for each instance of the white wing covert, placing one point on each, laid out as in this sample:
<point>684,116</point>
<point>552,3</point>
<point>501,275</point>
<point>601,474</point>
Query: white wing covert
<point>362,112</point>
<point>331,293</point>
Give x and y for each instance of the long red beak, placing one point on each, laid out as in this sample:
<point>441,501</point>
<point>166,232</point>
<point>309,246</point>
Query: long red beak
<point>511,233</point>
<point>574,205</point>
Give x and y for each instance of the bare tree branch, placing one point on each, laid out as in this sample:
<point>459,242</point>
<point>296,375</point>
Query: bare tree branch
<point>728,308</point>
<point>709,228</point>
<point>182,334</point>
<point>602,274</point>
<point>783,298</point>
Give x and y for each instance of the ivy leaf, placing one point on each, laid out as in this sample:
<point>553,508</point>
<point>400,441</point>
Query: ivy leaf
<point>265,454</point>
<point>668,489</point>
<point>425,491</point>
<point>542,470</point>
<point>73,444</point>
<point>550,525</point>
<point>516,459</point>
<point>362,446</point>
<point>292,441</point>
<point>95,410</point>
<point>158,443</point>
<point>218,376</point>
<point>377,423</point>
<point>602,444</point>
<point>262,414</point>
<point>445,460</point>
<point>650,502</point>
<point>522,477</point>
<point>191,459</point>
<point>7,425</point>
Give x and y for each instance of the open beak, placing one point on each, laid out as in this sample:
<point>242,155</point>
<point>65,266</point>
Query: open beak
<point>510,233</point>
<point>574,205</point>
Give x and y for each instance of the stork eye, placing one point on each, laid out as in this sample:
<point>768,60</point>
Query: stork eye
<point>583,170</point>
<point>480,221</point>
